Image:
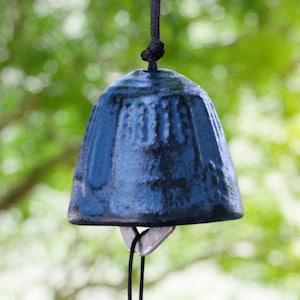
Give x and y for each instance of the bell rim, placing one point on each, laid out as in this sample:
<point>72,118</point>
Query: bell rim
<point>77,219</point>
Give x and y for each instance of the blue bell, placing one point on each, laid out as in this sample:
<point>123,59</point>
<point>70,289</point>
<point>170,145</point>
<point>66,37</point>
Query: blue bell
<point>154,154</point>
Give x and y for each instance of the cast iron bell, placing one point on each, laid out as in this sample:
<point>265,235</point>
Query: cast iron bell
<point>154,154</point>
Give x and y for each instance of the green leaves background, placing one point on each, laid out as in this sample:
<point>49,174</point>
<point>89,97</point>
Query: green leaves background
<point>57,56</point>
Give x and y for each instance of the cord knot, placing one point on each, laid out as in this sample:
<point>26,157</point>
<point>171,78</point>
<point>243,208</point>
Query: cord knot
<point>153,53</point>
<point>156,48</point>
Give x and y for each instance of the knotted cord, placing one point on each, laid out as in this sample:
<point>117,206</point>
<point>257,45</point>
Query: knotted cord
<point>155,49</point>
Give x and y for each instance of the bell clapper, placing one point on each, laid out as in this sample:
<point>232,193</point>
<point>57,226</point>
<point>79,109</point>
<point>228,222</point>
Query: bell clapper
<point>149,239</point>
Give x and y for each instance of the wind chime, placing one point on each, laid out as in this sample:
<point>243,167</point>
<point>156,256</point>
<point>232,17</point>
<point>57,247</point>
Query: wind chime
<point>154,155</point>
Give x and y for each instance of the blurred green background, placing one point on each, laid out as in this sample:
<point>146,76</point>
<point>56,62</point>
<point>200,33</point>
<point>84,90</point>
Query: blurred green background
<point>58,55</point>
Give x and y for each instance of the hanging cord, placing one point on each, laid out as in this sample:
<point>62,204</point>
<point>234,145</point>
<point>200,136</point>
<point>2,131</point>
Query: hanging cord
<point>156,48</point>
<point>130,267</point>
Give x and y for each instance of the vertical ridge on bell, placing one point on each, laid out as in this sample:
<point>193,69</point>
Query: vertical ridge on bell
<point>177,129</point>
<point>100,146</point>
<point>154,154</point>
<point>222,183</point>
<point>94,164</point>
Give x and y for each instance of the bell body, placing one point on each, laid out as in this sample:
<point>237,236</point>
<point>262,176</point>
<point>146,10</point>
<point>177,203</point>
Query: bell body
<point>154,154</point>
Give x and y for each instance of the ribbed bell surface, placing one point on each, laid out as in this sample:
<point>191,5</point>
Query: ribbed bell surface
<point>154,154</point>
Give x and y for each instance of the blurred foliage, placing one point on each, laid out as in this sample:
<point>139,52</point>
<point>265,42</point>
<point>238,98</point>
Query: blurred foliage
<point>57,56</point>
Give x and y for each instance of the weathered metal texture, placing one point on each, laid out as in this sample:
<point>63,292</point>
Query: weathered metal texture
<point>154,154</point>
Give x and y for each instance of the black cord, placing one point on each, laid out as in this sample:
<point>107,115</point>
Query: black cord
<point>142,271</point>
<point>130,264</point>
<point>130,267</point>
<point>156,48</point>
